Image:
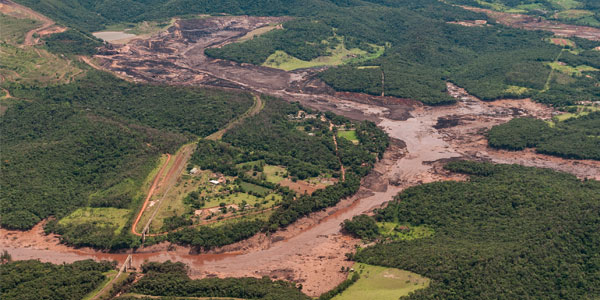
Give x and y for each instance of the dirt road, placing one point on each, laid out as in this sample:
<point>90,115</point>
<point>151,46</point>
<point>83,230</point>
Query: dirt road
<point>257,106</point>
<point>337,152</point>
<point>150,193</point>
<point>19,11</point>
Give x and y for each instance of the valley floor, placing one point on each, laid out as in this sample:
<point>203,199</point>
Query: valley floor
<point>312,250</point>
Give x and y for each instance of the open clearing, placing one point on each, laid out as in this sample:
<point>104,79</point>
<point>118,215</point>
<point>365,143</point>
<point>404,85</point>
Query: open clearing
<point>380,283</point>
<point>25,64</point>
<point>32,65</point>
<point>32,36</point>
<point>349,135</point>
<point>573,71</point>
<point>339,55</point>
<point>14,29</point>
<point>406,232</point>
<point>103,216</point>
<point>261,30</point>
<point>562,42</point>
<point>580,110</point>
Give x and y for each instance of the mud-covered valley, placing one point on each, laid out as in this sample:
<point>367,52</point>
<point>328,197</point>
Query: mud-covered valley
<point>311,251</point>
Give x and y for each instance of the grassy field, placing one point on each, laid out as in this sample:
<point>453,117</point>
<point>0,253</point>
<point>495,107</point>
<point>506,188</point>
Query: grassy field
<point>13,30</point>
<point>349,135</point>
<point>517,90</point>
<point>380,283</point>
<point>178,298</point>
<point>582,110</point>
<point>274,173</point>
<point>228,193</point>
<point>573,71</point>
<point>250,187</point>
<point>35,66</point>
<point>238,198</point>
<point>103,216</point>
<point>565,4</point>
<point>573,14</point>
<point>404,232</point>
<point>339,55</point>
<point>30,65</point>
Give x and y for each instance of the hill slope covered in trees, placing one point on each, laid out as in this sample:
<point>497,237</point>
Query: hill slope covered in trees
<point>509,232</point>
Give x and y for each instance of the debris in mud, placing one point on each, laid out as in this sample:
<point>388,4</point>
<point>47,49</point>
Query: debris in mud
<point>447,122</point>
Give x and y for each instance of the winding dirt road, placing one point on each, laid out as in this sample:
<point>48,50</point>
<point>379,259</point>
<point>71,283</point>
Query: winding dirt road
<point>19,11</point>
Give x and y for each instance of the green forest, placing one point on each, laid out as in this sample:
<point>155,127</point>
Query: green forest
<point>510,232</point>
<point>34,280</point>
<point>574,138</point>
<point>97,135</point>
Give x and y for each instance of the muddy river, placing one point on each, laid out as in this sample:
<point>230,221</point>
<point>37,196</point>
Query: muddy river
<point>312,250</point>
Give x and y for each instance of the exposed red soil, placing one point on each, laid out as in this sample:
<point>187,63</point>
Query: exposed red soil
<point>150,193</point>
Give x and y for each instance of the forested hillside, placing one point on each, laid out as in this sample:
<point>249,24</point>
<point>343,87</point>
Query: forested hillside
<point>69,141</point>
<point>509,232</point>
<point>575,138</point>
<point>34,280</point>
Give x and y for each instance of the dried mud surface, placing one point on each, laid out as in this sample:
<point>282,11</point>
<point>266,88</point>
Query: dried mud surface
<point>312,250</point>
<point>537,23</point>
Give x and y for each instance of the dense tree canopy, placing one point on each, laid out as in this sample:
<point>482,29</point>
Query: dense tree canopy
<point>509,232</point>
<point>576,138</point>
<point>34,280</point>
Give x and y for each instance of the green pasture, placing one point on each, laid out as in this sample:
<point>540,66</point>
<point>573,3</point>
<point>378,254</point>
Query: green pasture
<point>103,216</point>
<point>381,283</point>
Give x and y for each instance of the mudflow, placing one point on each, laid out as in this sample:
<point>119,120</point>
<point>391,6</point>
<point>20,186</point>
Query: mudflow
<point>311,251</point>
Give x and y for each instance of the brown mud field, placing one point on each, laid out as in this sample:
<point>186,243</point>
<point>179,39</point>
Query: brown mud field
<point>312,250</point>
<point>537,23</point>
